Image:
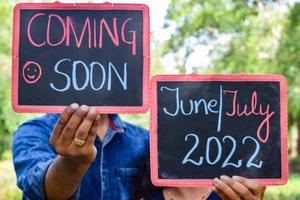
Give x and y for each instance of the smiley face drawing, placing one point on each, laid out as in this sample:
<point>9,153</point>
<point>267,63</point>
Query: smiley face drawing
<point>32,72</point>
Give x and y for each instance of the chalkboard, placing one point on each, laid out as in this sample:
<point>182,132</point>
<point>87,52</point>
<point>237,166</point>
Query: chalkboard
<point>93,54</point>
<point>205,126</point>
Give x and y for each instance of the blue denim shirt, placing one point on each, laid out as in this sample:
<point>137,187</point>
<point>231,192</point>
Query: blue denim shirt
<point>117,170</point>
<point>120,170</point>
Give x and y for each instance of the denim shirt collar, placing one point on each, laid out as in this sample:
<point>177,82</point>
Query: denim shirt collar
<point>116,126</point>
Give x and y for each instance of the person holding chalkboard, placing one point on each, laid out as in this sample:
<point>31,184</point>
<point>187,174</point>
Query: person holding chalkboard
<point>225,188</point>
<point>81,154</point>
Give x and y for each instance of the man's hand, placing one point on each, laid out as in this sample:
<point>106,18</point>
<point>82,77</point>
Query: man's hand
<point>238,188</point>
<point>66,171</point>
<point>81,123</point>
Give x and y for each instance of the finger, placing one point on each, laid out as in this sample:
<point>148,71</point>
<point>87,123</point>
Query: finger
<point>225,189</point>
<point>238,188</point>
<point>70,129</point>
<point>63,120</point>
<point>93,131</point>
<point>208,193</point>
<point>220,193</point>
<point>84,128</point>
<point>253,186</point>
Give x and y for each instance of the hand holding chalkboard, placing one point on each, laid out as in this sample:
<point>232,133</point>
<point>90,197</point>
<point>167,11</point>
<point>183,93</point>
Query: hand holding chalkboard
<point>208,126</point>
<point>238,188</point>
<point>93,54</point>
<point>83,123</point>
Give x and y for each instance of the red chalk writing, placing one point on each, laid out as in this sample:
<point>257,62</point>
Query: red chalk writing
<point>253,109</point>
<point>91,31</point>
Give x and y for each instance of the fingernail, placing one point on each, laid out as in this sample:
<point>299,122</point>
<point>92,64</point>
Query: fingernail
<point>98,117</point>
<point>236,177</point>
<point>84,108</point>
<point>74,105</point>
<point>224,177</point>
<point>216,180</point>
<point>213,188</point>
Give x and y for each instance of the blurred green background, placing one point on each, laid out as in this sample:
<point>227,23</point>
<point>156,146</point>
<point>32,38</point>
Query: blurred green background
<point>258,36</point>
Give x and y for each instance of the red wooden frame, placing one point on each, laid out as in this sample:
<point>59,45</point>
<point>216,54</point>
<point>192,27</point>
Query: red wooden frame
<point>80,6</point>
<point>238,77</point>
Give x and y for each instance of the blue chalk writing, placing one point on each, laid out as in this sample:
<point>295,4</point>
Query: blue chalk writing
<point>194,105</point>
<point>122,81</point>
<point>186,157</point>
<point>103,76</point>
<point>177,101</point>
<point>68,84</point>
<point>209,140</point>
<point>89,75</point>
<point>220,109</point>
<point>74,75</point>
<point>233,149</point>
<point>252,158</point>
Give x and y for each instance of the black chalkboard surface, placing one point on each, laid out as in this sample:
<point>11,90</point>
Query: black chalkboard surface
<point>93,54</point>
<point>206,126</point>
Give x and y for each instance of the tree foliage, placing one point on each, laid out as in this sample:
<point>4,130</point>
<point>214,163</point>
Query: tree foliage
<point>198,22</point>
<point>9,120</point>
<point>263,38</point>
<point>287,61</point>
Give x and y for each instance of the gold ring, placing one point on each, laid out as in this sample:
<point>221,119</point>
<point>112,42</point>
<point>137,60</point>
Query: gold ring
<point>78,142</point>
